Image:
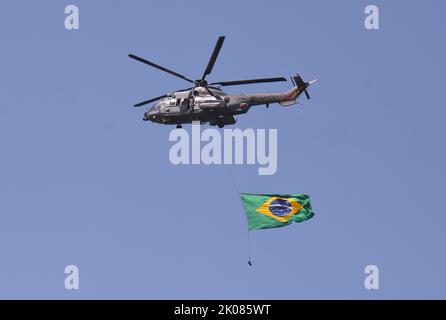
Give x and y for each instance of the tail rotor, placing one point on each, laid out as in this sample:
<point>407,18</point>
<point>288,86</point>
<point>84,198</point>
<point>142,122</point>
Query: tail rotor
<point>300,83</point>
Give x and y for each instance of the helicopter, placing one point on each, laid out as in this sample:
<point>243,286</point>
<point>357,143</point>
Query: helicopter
<point>207,103</point>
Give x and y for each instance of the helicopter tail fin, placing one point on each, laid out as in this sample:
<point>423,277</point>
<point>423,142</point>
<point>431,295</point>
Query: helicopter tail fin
<point>300,86</point>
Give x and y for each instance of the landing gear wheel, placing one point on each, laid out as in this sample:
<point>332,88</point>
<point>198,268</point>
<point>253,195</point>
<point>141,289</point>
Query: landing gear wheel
<point>221,125</point>
<point>179,126</point>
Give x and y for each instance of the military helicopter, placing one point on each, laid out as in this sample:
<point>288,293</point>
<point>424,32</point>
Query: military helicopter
<point>207,103</point>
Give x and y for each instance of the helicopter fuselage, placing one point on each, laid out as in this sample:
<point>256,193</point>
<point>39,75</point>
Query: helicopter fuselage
<point>211,105</point>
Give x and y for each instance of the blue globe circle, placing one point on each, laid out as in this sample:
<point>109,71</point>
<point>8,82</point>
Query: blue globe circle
<point>280,207</point>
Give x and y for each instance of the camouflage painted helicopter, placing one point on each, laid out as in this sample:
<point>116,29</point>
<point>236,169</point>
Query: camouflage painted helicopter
<point>205,102</point>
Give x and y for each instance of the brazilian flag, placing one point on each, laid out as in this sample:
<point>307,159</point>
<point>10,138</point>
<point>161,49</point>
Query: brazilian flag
<point>266,211</point>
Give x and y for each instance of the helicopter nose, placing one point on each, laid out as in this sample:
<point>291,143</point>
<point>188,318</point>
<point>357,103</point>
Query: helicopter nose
<point>148,116</point>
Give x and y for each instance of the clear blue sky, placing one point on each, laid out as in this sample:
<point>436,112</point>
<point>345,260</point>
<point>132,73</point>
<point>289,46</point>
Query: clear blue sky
<point>84,181</point>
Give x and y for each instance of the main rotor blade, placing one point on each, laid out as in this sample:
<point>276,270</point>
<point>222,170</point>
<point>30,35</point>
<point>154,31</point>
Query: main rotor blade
<point>239,82</point>
<point>214,56</point>
<point>160,68</point>
<point>149,101</point>
<point>210,92</point>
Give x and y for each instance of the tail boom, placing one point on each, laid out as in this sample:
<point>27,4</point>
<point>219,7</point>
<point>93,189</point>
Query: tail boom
<point>285,99</point>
